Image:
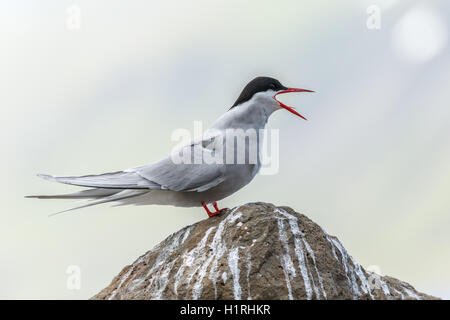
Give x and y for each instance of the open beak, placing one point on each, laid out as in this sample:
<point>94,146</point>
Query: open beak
<point>290,109</point>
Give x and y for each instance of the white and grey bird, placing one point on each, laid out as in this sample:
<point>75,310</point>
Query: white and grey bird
<point>200,173</point>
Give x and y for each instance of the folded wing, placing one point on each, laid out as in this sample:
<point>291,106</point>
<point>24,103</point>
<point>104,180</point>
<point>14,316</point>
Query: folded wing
<point>193,173</point>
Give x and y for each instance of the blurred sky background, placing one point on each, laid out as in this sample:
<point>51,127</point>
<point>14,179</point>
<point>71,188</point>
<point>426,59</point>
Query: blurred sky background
<point>371,166</point>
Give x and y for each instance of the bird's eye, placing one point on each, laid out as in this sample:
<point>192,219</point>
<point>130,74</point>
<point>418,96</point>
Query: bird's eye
<point>273,86</point>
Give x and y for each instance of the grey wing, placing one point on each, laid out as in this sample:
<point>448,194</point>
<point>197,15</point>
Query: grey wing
<point>194,175</point>
<point>164,174</point>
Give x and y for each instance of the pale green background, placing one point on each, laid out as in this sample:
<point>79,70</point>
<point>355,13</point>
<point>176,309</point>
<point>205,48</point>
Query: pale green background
<point>371,166</point>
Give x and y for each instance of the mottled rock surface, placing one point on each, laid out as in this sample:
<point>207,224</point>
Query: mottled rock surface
<point>255,251</point>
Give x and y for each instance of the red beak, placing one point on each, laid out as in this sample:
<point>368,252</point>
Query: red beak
<point>290,109</point>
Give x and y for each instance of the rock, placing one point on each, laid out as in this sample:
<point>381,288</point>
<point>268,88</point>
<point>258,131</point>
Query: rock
<point>254,251</point>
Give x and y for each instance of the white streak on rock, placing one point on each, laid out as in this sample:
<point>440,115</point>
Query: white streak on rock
<point>157,271</point>
<point>160,280</point>
<point>299,251</point>
<point>313,257</point>
<point>124,278</point>
<point>400,293</point>
<point>233,217</point>
<point>411,294</point>
<point>134,282</point>
<point>288,269</point>
<point>385,288</point>
<point>233,264</point>
<point>364,283</point>
<point>353,285</point>
<point>218,247</point>
<point>313,284</point>
<point>224,277</point>
<point>327,237</point>
<point>357,270</point>
<point>165,252</point>
<point>285,259</point>
<point>186,234</point>
<point>249,267</point>
<point>189,259</point>
<point>202,269</point>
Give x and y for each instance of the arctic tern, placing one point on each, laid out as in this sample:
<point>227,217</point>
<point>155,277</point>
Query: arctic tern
<point>185,178</point>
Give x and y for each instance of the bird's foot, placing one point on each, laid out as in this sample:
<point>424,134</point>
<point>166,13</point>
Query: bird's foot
<point>212,214</point>
<point>217,208</point>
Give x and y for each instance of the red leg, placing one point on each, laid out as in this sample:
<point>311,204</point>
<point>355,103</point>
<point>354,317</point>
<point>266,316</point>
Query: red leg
<point>212,214</point>
<point>207,210</point>
<point>217,208</point>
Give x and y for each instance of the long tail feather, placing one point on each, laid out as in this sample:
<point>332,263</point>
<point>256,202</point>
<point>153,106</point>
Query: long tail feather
<point>113,180</point>
<point>120,195</point>
<point>84,194</point>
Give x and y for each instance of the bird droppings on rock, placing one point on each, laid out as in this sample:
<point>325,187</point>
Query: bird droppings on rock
<point>282,255</point>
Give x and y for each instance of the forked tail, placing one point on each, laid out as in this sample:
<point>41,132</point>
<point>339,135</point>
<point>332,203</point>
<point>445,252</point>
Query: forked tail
<point>107,188</point>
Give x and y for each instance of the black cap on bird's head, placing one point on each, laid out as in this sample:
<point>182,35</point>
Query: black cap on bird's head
<point>262,84</point>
